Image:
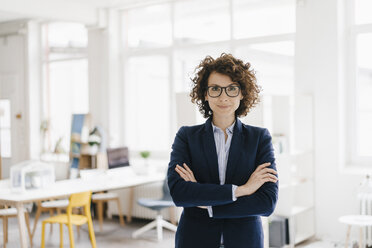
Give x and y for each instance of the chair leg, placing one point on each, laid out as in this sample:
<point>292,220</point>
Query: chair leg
<point>4,231</point>
<point>159,228</point>
<point>78,231</point>
<point>91,233</point>
<point>169,226</point>
<point>347,236</point>
<point>43,235</point>
<point>130,204</point>
<point>361,237</point>
<point>61,235</point>
<point>120,213</point>
<point>71,235</point>
<point>144,229</point>
<point>100,214</point>
<point>38,213</point>
<point>51,213</point>
<point>28,227</point>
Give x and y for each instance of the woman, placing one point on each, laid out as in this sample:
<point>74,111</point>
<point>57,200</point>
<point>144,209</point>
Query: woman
<point>223,172</point>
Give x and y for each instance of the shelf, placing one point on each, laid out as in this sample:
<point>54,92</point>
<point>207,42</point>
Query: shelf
<point>75,155</point>
<point>88,154</point>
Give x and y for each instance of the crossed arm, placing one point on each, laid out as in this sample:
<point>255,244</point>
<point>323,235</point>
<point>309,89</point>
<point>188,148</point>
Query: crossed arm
<point>257,196</point>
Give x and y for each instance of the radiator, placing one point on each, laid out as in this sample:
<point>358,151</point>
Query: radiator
<point>365,208</point>
<point>153,191</point>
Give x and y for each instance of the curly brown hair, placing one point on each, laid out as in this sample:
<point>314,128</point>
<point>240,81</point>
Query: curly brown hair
<point>237,70</point>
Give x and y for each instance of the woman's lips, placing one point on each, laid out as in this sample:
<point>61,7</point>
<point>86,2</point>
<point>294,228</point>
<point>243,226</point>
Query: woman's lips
<point>222,106</point>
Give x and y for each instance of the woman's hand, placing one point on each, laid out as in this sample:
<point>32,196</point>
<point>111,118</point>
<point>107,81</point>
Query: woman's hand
<point>185,173</point>
<point>261,175</point>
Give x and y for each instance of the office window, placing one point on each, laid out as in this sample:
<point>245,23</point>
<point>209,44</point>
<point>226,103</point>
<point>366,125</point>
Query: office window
<point>359,93</point>
<point>156,51</point>
<point>362,11</point>
<point>201,21</point>
<point>254,18</point>
<point>147,103</point>
<point>273,63</point>
<point>5,129</point>
<point>149,26</point>
<point>185,61</point>
<point>363,94</point>
<point>65,83</point>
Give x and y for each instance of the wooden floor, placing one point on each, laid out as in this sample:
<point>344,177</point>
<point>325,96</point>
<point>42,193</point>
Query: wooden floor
<point>113,236</point>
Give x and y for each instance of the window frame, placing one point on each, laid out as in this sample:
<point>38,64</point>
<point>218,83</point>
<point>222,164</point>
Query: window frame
<point>354,30</point>
<point>75,53</point>
<point>232,43</point>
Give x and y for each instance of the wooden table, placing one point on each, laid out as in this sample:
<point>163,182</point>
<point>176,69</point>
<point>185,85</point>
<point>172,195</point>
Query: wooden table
<point>111,179</point>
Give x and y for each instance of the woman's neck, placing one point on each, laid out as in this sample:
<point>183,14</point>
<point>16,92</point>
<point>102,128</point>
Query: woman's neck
<point>223,122</point>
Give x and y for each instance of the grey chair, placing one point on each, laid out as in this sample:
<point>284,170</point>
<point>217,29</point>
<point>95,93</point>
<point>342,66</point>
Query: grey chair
<point>157,205</point>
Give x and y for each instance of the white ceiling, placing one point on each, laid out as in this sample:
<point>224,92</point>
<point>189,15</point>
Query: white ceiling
<point>6,16</point>
<point>68,10</point>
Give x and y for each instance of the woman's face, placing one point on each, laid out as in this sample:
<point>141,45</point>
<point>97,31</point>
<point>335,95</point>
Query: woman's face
<point>223,105</point>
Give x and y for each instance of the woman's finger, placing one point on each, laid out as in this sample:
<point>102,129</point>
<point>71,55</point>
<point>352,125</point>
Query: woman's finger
<point>270,178</point>
<point>269,170</point>
<point>182,174</point>
<point>262,166</point>
<point>188,169</point>
<point>182,169</point>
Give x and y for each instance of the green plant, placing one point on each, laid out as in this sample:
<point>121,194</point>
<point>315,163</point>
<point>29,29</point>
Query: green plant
<point>145,154</point>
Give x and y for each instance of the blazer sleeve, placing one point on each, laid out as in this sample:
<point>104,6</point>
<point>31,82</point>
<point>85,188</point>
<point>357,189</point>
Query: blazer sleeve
<point>191,194</point>
<point>263,201</point>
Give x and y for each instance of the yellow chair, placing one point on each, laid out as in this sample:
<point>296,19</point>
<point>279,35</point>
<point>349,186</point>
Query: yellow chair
<point>69,219</point>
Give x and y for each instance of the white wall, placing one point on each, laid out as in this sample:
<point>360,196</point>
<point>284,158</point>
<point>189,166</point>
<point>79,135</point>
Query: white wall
<point>319,70</point>
<point>106,101</point>
<point>20,82</point>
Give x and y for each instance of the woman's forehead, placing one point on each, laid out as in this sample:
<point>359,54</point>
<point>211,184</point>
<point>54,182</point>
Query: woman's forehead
<point>219,79</point>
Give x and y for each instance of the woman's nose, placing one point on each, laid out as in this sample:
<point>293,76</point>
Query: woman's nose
<point>223,96</point>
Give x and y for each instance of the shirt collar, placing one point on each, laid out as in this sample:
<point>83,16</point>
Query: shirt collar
<point>230,129</point>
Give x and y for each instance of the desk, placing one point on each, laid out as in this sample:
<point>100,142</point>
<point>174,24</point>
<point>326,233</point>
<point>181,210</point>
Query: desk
<point>112,179</point>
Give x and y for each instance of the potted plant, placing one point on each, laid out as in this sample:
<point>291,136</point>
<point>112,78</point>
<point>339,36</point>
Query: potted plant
<point>94,141</point>
<point>145,155</point>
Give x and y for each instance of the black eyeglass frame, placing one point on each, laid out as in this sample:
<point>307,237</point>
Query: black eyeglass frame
<point>223,88</point>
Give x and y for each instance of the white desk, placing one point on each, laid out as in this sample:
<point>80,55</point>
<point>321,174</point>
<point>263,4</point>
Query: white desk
<point>111,179</point>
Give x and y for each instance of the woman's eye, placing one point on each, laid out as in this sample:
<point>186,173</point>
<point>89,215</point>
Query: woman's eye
<point>232,88</point>
<point>216,88</point>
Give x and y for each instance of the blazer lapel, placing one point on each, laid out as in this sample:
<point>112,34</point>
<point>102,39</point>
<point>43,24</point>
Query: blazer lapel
<point>235,151</point>
<point>210,151</point>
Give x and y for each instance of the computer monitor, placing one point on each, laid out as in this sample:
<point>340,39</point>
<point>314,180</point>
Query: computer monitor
<point>117,157</point>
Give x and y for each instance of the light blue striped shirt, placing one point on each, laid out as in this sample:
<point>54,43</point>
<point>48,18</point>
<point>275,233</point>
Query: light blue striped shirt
<point>222,148</point>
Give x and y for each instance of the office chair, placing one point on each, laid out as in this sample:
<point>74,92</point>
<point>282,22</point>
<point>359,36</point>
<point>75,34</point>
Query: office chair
<point>69,219</point>
<point>6,213</point>
<point>157,205</point>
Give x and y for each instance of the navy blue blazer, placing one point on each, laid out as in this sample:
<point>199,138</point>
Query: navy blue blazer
<point>239,220</point>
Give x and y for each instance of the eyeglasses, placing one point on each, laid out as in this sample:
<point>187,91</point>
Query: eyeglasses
<point>216,91</point>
